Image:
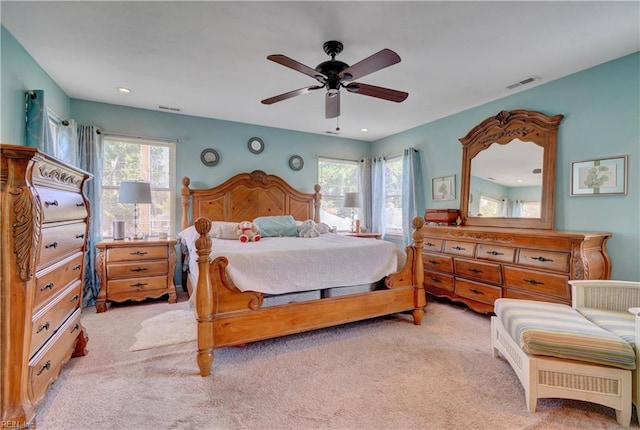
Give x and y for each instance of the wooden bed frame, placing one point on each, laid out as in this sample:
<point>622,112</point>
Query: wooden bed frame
<point>226,316</point>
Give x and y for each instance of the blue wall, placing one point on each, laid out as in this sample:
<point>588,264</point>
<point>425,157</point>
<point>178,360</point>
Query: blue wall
<point>601,107</point>
<point>602,118</point>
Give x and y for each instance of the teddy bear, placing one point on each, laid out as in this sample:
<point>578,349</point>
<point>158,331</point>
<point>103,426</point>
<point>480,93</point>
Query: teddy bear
<point>248,232</point>
<point>307,229</point>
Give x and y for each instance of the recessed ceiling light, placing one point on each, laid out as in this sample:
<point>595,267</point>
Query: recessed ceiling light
<point>364,129</point>
<point>520,181</point>
<point>124,90</point>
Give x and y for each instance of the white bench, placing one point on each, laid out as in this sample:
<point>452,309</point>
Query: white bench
<point>557,352</point>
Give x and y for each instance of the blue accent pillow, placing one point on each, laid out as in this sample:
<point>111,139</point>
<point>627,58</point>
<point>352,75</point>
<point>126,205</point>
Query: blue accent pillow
<point>276,226</point>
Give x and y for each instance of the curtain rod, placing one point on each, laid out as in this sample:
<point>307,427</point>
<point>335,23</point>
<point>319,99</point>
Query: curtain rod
<point>148,138</point>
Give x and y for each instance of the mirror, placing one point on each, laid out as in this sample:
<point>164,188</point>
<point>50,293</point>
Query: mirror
<point>508,171</point>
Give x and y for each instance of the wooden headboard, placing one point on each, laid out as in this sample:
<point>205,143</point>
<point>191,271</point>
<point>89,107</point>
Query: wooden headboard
<point>246,196</point>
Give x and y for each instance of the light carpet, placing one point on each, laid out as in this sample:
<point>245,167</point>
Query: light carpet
<point>383,373</point>
<point>168,328</point>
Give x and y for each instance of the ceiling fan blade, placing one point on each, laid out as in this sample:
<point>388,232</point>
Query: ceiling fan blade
<point>332,105</point>
<point>378,92</point>
<point>284,96</point>
<point>375,62</point>
<point>298,67</point>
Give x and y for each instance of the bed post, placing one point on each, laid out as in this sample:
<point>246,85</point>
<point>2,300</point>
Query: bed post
<point>186,194</point>
<point>414,252</point>
<point>316,203</point>
<point>204,298</point>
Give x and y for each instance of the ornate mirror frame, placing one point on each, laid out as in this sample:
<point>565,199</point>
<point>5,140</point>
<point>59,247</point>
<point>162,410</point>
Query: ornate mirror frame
<point>528,126</point>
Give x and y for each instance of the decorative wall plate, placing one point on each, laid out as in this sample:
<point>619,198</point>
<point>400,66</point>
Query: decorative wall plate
<point>209,157</point>
<point>256,145</point>
<point>296,162</point>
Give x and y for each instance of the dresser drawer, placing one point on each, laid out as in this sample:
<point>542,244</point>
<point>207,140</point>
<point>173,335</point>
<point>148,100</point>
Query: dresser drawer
<point>431,244</point>
<point>537,282</point>
<point>45,366</point>
<point>518,294</point>
<point>46,322</point>
<point>54,278</point>
<point>133,252</point>
<point>438,280</point>
<point>442,263</point>
<point>503,254</point>
<point>137,269</point>
<point>59,241</point>
<point>137,284</point>
<point>485,272</point>
<point>478,292</point>
<point>59,205</point>
<point>549,260</point>
<point>463,249</point>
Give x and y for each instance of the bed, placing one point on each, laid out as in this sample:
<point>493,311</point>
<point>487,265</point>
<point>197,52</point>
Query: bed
<point>229,316</point>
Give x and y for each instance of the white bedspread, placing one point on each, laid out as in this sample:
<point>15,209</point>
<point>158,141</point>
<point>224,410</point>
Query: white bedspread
<point>291,264</point>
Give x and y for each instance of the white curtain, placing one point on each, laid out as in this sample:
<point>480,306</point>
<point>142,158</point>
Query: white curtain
<point>67,138</point>
<point>365,192</point>
<point>378,194</point>
<point>412,191</point>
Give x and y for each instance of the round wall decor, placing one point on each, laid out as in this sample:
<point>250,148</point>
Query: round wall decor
<point>256,145</point>
<point>296,162</point>
<point>209,157</point>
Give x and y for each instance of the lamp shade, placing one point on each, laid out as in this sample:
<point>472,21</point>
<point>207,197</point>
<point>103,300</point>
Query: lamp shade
<point>352,200</point>
<point>134,192</point>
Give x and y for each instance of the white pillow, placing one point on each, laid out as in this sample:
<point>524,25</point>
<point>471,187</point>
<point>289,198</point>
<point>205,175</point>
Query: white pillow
<point>219,230</point>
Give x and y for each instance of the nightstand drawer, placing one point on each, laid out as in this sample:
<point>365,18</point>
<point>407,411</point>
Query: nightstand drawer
<point>137,269</point>
<point>137,284</point>
<point>139,252</point>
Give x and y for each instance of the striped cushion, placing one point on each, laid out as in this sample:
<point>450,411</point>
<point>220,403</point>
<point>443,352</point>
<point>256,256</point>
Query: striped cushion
<point>622,324</point>
<point>557,330</point>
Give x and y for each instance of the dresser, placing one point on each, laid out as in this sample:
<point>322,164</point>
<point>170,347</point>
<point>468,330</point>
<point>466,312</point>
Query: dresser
<point>477,265</point>
<point>135,270</point>
<point>45,215</point>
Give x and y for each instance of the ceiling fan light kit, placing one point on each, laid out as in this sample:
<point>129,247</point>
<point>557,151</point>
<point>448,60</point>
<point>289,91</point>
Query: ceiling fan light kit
<point>333,75</point>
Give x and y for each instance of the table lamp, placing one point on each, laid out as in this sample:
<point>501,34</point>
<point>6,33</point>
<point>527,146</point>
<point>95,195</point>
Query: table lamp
<point>136,193</point>
<point>353,201</point>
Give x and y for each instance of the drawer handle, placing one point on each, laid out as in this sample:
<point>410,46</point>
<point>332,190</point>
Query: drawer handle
<point>74,298</point>
<point>53,245</point>
<point>434,262</point>
<point>475,270</point>
<point>76,267</point>
<point>139,284</point>
<point>436,280</point>
<point>48,286</point>
<point>80,236</point>
<point>79,205</point>
<point>474,291</point>
<point>458,248</point>
<point>44,326</point>
<point>430,244</point>
<point>75,327</point>
<point>51,203</point>
<point>541,259</point>
<point>46,366</point>
<point>494,253</point>
<point>533,282</point>
<point>139,269</point>
<point>139,253</point>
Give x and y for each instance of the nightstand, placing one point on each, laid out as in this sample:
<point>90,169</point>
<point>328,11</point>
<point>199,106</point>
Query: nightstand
<point>135,270</point>
<point>365,235</point>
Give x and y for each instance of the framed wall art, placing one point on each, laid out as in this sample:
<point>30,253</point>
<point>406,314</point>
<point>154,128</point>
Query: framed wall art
<point>599,176</point>
<point>443,188</point>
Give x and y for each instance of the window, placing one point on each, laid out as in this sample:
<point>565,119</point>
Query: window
<point>393,196</point>
<point>531,210</point>
<point>136,159</point>
<point>337,177</point>
<point>489,206</point>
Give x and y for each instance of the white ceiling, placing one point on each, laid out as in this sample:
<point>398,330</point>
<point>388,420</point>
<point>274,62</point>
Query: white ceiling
<point>209,58</point>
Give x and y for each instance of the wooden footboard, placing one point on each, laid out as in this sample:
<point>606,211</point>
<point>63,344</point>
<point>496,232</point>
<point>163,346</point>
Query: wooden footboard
<point>228,316</point>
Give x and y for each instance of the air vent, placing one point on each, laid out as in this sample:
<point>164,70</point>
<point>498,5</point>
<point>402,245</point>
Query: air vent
<point>523,82</point>
<point>171,109</point>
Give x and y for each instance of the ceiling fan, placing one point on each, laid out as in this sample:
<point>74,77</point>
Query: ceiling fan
<point>333,75</point>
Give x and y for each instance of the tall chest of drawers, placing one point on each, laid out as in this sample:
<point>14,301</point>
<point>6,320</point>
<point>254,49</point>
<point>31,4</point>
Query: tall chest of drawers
<point>45,217</point>
<point>477,265</point>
